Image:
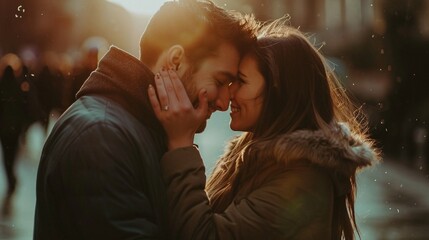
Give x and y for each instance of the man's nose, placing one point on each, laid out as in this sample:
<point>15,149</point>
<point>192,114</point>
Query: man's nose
<point>222,102</point>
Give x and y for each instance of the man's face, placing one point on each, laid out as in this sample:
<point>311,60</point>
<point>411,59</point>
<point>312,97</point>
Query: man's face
<point>214,74</point>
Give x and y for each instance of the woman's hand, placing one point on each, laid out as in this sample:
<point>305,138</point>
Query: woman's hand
<point>174,109</point>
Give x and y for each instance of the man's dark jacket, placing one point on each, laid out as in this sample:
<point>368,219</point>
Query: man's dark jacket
<point>99,174</point>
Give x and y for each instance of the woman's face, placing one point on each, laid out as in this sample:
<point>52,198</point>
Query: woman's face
<point>246,96</point>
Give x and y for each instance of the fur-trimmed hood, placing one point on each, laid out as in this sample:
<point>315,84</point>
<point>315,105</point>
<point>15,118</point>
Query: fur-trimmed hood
<point>339,149</point>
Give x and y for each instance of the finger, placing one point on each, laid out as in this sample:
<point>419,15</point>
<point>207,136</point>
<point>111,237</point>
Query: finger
<point>180,90</point>
<point>203,106</point>
<point>160,88</point>
<point>171,94</point>
<point>154,100</point>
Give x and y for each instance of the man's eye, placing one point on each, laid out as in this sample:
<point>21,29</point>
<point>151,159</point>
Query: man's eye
<point>220,83</point>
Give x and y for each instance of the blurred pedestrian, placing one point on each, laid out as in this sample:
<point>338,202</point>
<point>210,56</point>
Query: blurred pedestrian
<point>32,107</point>
<point>49,84</point>
<point>13,118</point>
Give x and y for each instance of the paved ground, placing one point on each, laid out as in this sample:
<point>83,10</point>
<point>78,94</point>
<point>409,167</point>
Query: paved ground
<point>19,226</point>
<point>392,201</point>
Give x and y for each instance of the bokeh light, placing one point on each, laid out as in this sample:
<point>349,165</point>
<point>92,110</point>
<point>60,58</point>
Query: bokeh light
<point>147,7</point>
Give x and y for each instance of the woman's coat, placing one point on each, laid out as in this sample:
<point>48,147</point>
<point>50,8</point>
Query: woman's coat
<point>292,196</point>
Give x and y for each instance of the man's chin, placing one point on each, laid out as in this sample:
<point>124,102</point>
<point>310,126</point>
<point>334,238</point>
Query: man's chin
<point>202,127</point>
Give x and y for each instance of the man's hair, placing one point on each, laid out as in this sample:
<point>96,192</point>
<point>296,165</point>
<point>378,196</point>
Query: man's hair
<point>199,26</point>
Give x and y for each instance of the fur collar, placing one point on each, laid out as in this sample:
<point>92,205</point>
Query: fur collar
<point>339,150</point>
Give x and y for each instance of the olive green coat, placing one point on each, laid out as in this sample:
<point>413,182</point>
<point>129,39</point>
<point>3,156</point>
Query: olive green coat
<point>294,197</point>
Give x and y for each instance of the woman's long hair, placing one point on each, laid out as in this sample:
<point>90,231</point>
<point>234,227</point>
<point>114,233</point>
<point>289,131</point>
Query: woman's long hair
<point>301,92</point>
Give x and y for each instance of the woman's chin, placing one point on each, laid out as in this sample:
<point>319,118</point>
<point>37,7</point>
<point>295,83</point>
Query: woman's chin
<point>234,126</point>
<point>202,127</point>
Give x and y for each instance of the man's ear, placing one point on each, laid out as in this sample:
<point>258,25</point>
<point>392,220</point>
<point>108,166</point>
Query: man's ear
<point>175,56</point>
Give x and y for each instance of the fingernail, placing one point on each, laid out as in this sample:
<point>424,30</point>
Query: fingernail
<point>150,86</point>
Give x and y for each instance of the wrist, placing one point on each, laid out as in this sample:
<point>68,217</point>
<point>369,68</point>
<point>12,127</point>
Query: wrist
<point>175,144</point>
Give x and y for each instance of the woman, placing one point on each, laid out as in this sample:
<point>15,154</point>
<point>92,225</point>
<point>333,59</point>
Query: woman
<point>291,174</point>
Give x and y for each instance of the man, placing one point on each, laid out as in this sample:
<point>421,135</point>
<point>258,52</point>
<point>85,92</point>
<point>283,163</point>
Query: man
<point>99,175</point>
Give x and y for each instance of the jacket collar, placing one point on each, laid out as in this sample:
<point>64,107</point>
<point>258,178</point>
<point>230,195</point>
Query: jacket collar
<point>124,79</point>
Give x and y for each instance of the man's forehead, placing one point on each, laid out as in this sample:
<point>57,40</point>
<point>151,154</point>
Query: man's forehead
<point>224,62</point>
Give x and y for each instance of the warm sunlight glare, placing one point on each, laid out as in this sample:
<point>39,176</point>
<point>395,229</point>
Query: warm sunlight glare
<point>146,7</point>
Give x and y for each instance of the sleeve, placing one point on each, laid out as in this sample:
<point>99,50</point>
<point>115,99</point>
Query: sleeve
<point>102,196</point>
<point>275,210</point>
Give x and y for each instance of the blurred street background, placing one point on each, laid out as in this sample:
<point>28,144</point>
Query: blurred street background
<point>378,48</point>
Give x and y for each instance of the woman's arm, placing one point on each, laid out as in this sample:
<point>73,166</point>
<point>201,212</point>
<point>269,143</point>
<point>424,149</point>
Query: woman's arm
<point>283,206</point>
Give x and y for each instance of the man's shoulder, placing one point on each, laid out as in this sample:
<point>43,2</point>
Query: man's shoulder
<point>91,114</point>
<point>97,110</point>
<point>104,114</point>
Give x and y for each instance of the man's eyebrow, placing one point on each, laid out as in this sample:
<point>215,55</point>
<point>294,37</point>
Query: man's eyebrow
<point>226,75</point>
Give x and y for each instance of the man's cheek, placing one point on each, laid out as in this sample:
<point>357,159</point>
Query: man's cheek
<point>202,127</point>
